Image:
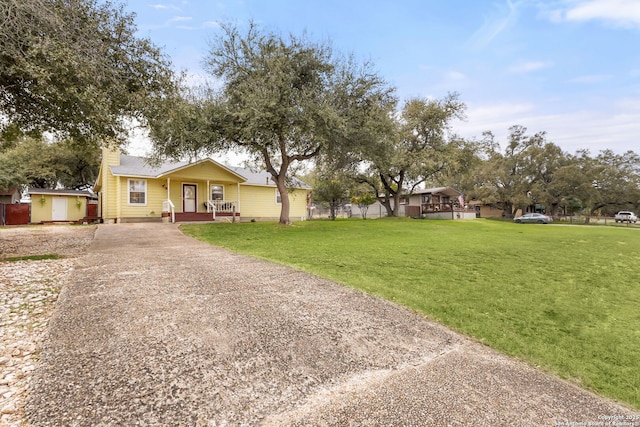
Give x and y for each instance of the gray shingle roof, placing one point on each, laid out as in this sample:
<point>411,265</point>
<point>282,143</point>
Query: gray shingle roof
<point>139,167</point>
<point>449,191</point>
<point>263,177</point>
<point>60,192</point>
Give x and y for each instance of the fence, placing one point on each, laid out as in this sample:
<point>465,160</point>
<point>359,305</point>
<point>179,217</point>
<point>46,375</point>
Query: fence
<point>590,219</point>
<point>353,211</point>
<point>14,214</point>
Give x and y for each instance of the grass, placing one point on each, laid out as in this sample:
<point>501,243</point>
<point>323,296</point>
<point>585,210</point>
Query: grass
<point>563,298</point>
<point>32,257</point>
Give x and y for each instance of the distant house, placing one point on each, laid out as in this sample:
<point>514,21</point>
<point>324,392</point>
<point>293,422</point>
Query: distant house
<point>494,210</point>
<point>438,203</point>
<point>486,210</point>
<point>49,205</point>
<point>130,189</point>
<point>11,195</point>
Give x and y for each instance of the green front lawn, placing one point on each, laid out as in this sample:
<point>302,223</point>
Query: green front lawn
<point>565,298</point>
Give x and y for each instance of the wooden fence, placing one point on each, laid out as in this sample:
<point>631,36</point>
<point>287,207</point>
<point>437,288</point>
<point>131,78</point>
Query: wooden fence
<point>14,214</point>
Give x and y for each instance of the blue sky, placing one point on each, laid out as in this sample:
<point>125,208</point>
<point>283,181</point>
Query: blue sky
<point>567,67</point>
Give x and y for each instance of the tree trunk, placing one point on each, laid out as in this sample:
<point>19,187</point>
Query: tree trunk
<point>508,210</point>
<point>363,210</point>
<point>387,205</point>
<point>285,203</point>
<point>396,204</point>
<point>333,206</point>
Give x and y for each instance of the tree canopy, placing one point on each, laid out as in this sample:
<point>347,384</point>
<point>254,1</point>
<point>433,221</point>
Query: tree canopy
<point>283,100</point>
<point>76,68</point>
<point>531,171</point>
<point>42,164</point>
<point>415,150</point>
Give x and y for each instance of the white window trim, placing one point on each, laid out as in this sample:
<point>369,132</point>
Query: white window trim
<point>146,192</point>
<point>278,196</point>
<point>216,185</point>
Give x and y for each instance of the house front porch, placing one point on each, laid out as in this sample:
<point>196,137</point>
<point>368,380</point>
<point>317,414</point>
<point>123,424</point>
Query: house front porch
<point>211,210</point>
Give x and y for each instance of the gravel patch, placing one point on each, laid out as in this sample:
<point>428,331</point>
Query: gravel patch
<point>28,292</point>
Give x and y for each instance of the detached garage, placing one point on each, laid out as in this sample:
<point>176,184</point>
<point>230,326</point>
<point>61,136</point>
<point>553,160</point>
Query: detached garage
<point>58,205</point>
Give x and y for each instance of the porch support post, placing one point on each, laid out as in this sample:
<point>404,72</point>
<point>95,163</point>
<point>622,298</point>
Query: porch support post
<point>168,188</point>
<point>238,208</point>
<point>118,200</point>
<point>208,193</point>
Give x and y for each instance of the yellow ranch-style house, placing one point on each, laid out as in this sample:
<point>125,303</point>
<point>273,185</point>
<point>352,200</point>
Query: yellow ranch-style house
<point>131,190</point>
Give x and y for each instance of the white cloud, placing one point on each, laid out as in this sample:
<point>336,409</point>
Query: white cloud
<point>181,19</point>
<point>496,118</point>
<point>501,18</point>
<point>615,126</point>
<point>455,75</point>
<point>528,66</point>
<point>618,13</point>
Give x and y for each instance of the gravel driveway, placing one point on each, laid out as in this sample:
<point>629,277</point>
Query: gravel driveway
<point>155,328</point>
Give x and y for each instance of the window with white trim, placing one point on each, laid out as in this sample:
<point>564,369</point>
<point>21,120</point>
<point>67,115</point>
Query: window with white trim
<point>138,192</point>
<point>278,197</point>
<point>217,192</point>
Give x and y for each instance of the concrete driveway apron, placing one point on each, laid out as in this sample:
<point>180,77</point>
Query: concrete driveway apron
<point>158,329</point>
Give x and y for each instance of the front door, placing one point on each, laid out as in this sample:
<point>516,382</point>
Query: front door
<point>189,198</point>
<point>59,209</point>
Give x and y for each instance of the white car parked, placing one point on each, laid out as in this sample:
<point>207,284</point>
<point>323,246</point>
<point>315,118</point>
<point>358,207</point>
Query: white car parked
<point>626,216</point>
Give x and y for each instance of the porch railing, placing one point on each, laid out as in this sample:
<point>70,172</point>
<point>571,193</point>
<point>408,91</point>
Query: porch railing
<point>168,206</point>
<point>221,206</point>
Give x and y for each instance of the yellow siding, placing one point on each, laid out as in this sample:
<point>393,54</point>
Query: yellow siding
<point>76,208</point>
<point>298,200</point>
<point>204,171</point>
<point>108,190</point>
<point>155,195</point>
<point>260,203</point>
<point>110,196</point>
<point>175,191</point>
<point>110,157</point>
<point>40,208</point>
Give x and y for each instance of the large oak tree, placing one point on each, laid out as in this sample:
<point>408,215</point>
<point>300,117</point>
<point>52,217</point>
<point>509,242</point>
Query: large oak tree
<point>288,99</point>
<point>76,68</point>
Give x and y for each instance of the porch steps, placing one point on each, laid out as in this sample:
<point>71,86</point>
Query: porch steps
<point>201,216</point>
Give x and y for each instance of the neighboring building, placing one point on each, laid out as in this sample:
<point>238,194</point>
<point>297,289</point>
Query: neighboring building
<point>12,212</point>
<point>129,190</point>
<point>58,205</point>
<point>438,203</point>
<point>11,195</point>
<point>484,210</point>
